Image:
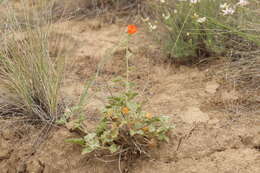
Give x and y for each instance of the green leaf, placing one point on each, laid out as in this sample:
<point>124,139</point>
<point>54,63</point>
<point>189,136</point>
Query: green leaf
<point>79,141</point>
<point>132,106</point>
<point>90,136</point>
<point>152,128</point>
<point>61,121</point>
<point>113,148</point>
<point>131,95</point>
<point>160,130</point>
<point>106,137</point>
<point>114,133</point>
<point>138,125</point>
<point>101,127</point>
<point>132,132</point>
<point>118,79</point>
<point>163,137</point>
<point>87,150</point>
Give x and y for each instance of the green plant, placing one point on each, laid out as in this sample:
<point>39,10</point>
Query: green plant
<point>202,28</point>
<point>124,127</point>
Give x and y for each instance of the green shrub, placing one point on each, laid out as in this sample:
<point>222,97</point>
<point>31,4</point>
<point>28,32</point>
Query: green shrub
<point>124,127</point>
<point>202,28</point>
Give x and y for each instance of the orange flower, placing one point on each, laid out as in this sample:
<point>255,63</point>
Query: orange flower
<point>145,129</point>
<point>131,29</point>
<point>125,110</point>
<point>149,116</point>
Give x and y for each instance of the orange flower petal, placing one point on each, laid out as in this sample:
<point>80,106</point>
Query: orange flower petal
<point>131,29</point>
<point>125,110</point>
<point>149,116</point>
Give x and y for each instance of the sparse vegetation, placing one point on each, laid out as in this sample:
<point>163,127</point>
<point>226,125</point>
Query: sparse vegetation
<point>193,30</point>
<point>122,125</point>
<point>124,128</point>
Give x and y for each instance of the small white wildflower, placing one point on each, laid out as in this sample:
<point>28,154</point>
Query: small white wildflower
<point>243,3</point>
<point>188,34</point>
<point>151,26</point>
<point>162,1</point>
<point>228,11</point>
<point>225,5</point>
<point>175,11</point>
<point>166,17</point>
<point>195,15</point>
<point>201,20</point>
<point>194,1</point>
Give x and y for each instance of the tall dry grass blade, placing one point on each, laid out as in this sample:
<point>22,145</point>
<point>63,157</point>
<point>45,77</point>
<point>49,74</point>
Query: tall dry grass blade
<point>27,69</point>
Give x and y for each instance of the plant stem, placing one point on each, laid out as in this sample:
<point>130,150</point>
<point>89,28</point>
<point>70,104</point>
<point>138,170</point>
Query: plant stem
<point>127,66</point>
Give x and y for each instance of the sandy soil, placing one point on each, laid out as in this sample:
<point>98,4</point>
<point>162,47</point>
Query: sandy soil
<point>207,138</point>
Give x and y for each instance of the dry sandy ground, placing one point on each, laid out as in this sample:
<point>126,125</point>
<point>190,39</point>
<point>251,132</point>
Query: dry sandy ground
<point>206,139</point>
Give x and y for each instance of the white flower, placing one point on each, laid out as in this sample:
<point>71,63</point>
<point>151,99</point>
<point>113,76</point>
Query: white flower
<point>162,1</point>
<point>201,20</point>
<point>195,15</point>
<point>225,5</point>
<point>243,2</point>
<point>166,17</point>
<point>151,26</point>
<point>175,11</point>
<point>194,1</point>
<point>228,11</point>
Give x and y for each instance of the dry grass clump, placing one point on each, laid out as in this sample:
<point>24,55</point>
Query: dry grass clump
<point>245,72</point>
<point>243,75</point>
<point>76,8</point>
<point>27,72</point>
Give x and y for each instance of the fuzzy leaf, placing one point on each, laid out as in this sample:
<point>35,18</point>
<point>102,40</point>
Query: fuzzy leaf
<point>87,150</point>
<point>90,137</point>
<point>113,148</point>
<point>79,141</point>
<point>132,132</point>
